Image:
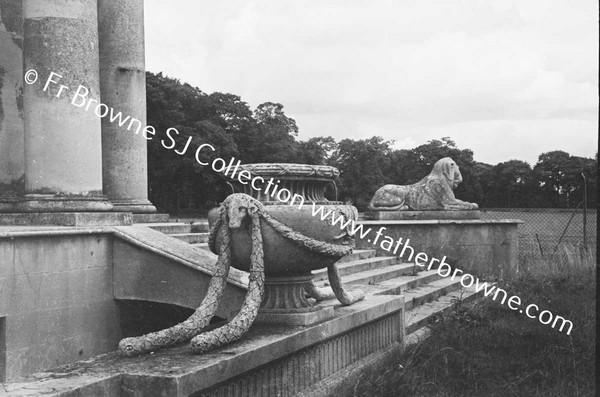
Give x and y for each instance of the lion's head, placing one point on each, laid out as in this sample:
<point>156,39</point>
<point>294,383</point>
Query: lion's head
<point>238,206</point>
<point>447,168</point>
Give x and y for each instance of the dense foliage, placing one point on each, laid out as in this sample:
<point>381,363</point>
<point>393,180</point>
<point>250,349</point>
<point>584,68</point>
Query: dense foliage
<point>266,134</point>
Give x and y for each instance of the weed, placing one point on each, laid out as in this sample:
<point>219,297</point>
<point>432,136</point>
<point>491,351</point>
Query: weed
<point>484,348</point>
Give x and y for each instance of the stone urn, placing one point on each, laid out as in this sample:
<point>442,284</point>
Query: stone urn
<point>288,263</point>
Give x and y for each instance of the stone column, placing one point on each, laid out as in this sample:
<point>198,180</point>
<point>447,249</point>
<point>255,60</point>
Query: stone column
<point>12,152</point>
<point>63,159</point>
<point>123,88</point>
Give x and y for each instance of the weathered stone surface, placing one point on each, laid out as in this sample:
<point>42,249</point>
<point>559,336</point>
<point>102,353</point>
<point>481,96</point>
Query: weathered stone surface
<point>58,287</point>
<point>140,274</point>
<point>56,298</point>
<point>150,218</point>
<point>418,215</point>
<point>434,192</point>
<point>480,247</point>
<point>123,88</point>
<point>63,142</point>
<point>268,361</point>
<point>12,151</point>
<point>316,315</point>
<point>66,219</point>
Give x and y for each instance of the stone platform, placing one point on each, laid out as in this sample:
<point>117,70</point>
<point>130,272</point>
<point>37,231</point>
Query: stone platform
<point>268,361</point>
<point>480,247</point>
<point>80,219</point>
<point>421,215</point>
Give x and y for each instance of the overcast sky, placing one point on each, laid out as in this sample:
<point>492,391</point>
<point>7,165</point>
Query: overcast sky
<point>507,79</point>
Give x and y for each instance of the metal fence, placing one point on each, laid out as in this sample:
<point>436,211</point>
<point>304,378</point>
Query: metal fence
<point>545,230</point>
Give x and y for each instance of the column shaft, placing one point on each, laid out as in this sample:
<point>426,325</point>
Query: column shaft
<point>12,151</point>
<point>123,87</point>
<point>63,160</point>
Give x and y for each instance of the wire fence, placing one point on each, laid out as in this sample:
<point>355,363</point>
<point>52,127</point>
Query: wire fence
<point>545,231</point>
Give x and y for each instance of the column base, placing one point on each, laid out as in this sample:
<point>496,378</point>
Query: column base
<point>52,203</point>
<point>134,206</point>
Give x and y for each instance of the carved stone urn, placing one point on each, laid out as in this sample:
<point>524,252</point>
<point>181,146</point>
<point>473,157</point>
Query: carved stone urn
<point>296,242</point>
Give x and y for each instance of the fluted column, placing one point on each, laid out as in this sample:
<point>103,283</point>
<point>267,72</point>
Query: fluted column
<point>123,88</point>
<point>63,160</point>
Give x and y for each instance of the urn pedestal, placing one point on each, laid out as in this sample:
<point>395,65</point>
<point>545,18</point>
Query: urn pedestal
<point>288,263</point>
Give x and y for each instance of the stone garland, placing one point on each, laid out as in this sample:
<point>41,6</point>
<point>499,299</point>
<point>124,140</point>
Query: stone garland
<point>236,328</point>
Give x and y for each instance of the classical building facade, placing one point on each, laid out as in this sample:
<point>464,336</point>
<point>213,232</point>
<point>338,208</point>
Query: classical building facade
<point>56,153</point>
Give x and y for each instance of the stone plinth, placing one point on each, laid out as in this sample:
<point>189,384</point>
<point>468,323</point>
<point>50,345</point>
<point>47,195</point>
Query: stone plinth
<point>418,215</point>
<point>67,219</point>
<point>285,302</point>
<point>480,247</point>
<point>268,361</point>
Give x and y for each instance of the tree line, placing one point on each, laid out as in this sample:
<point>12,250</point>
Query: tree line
<point>266,134</point>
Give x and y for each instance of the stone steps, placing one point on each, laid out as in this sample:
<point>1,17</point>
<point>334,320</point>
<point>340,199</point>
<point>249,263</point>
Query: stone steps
<point>375,276</point>
<point>427,295</point>
<point>358,255</point>
<point>420,316</point>
<point>400,285</point>
<point>357,266</point>
<point>203,246</point>
<point>191,238</point>
<point>170,227</point>
<point>429,292</point>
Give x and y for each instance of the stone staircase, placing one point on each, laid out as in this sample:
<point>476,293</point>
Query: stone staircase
<point>427,294</point>
<point>195,233</point>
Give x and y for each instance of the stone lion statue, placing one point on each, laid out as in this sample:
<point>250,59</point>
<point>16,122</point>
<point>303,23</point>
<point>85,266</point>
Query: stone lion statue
<point>434,192</point>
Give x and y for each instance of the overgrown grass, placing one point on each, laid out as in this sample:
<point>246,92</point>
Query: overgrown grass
<point>486,349</point>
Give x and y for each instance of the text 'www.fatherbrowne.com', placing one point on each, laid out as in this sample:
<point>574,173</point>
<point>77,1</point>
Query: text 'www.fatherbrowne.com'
<point>421,259</point>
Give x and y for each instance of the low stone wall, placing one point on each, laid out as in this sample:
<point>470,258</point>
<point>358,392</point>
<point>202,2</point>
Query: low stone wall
<point>479,247</point>
<point>56,300</point>
<point>59,288</point>
<point>268,361</point>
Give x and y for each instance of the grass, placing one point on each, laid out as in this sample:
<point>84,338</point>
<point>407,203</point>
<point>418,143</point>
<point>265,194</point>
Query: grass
<point>486,349</point>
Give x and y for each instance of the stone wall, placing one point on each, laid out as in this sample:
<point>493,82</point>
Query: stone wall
<point>56,301</point>
<point>475,246</point>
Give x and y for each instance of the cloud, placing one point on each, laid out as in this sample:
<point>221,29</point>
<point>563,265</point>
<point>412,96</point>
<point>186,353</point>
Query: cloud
<point>403,70</point>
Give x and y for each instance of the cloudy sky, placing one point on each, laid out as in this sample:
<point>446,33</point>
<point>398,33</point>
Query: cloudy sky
<point>507,79</point>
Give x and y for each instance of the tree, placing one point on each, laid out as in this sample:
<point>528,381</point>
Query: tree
<point>316,151</point>
<point>275,137</point>
<point>511,184</point>
<point>362,164</point>
<point>410,166</point>
<point>552,173</point>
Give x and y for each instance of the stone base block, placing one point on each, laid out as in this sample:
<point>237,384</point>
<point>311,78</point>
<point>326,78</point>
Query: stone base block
<point>317,315</point>
<point>82,219</point>
<point>480,247</point>
<point>268,361</point>
<point>135,206</point>
<point>419,215</point>
<point>150,218</point>
<point>53,203</point>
